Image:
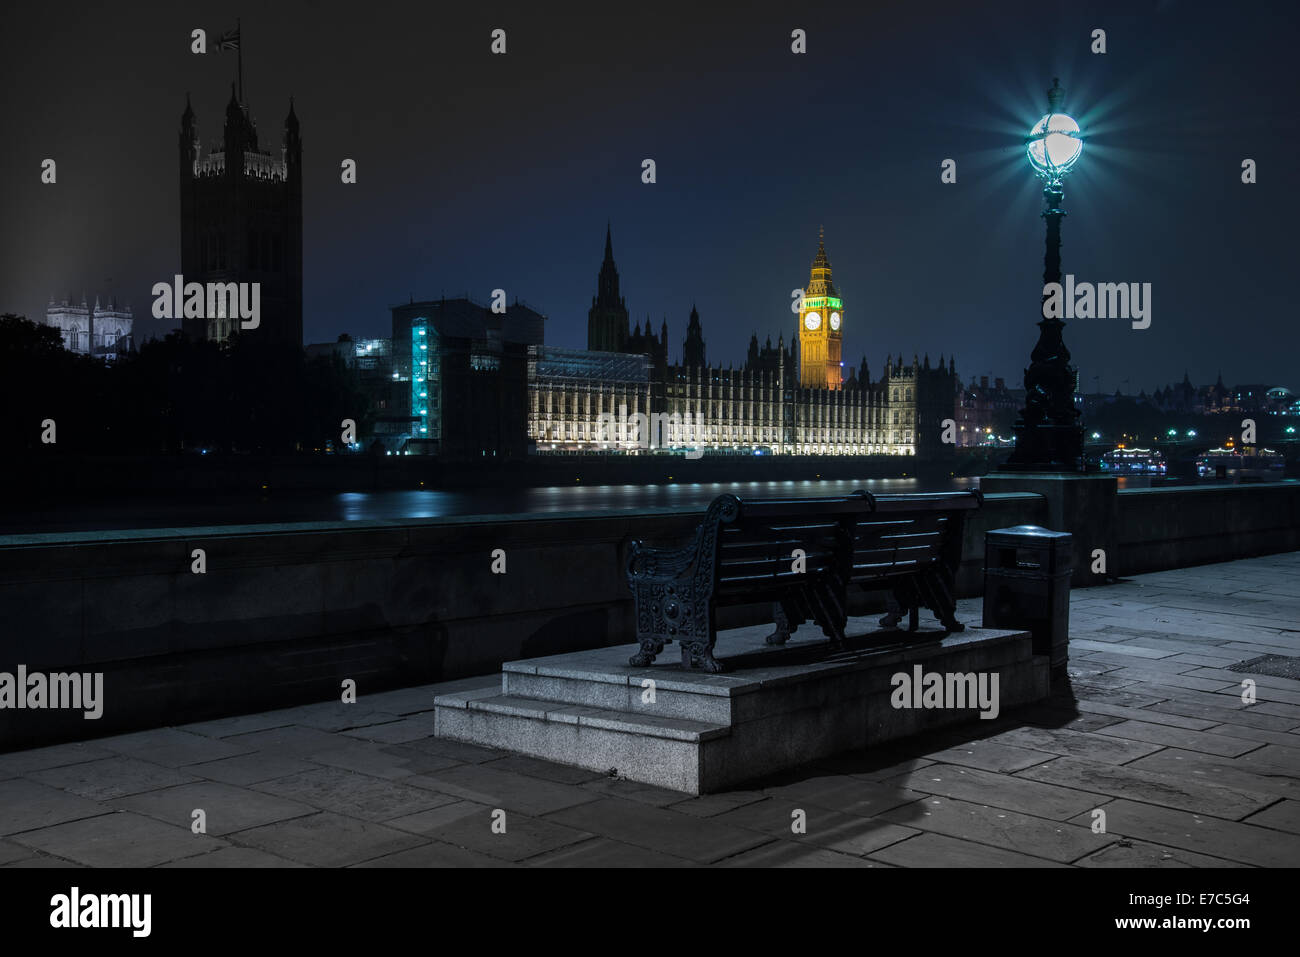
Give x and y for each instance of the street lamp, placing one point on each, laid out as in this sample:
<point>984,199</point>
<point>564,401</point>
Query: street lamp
<point>1049,432</point>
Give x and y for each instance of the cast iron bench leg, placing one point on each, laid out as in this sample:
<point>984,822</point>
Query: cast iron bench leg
<point>699,654</point>
<point>782,633</point>
<point>650,647</point>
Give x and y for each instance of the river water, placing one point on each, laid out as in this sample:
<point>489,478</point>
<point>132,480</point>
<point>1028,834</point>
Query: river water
<point>70,515</point>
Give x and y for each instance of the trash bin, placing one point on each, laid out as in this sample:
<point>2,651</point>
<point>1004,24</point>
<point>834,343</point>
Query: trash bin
<point>1027,586</point>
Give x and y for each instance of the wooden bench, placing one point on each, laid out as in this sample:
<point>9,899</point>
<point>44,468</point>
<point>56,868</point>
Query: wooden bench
<point>802,555</point>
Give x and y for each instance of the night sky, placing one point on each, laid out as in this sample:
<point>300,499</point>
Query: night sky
<point>478,171</point>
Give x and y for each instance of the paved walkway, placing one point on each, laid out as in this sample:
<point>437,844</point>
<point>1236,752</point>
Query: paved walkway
<point>1153,732</point>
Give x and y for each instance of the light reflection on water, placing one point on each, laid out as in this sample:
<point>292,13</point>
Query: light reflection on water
<point>433,503</point>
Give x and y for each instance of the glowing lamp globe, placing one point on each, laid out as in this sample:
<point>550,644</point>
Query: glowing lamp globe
<point>1055,142</point>
<point>1054,145</point>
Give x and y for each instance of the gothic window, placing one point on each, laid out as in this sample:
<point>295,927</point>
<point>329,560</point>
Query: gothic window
<point>908,396</point>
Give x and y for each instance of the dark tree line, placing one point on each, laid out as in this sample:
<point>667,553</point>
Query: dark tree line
<point>173,395</point>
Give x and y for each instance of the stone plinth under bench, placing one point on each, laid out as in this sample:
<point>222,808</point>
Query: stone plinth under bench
<point>771,710</point>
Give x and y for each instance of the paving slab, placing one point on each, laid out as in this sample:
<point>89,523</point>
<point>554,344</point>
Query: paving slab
<point>10,852</point>
<point>1215,837</point>
<point>1241,717</point>
<point>1011,792</point>
<point>999,756</point>
<point>447,810</point>
<point>1165,790</point>
<point>535,768</point>
<point>435,854</point>
<point>366,757</point>
<point>30,805</point>
<point>505,789</point>
<point>111,778</point>
<point>1180,738</point>
<point>785,854</point>
<point>602,852</point>
<point>45,861</point>
<point>523,837</point>
<point>241,724</point>
<point>1070,743</point>
<point>233,858</point>
<point>328,840</point>
<point>1139,854</point>
<point>938,850</point>
<point>678,835</point>
<point>173,748</point>
<point>226,808</point>
<point>17,763</point>
<point>352,794</point>
<point>1218,770</point>
<point>711,805</point>
<point>406,729</point>
<point>251,768</point>
<point>119,839</point>
<point>846,833</point>
<point>623,789</point>
<point>288,741</point>
<point>1023,833</point>
<point>1283,816</point>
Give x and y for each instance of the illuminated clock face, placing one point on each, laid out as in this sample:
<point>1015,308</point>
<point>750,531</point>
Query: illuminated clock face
<point>835,321</point>
<point>812,321</point>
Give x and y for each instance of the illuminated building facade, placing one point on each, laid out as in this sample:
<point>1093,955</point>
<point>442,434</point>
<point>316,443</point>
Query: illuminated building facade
<point>783,401</point>
<point>101,331</point>
<point>570,390</point>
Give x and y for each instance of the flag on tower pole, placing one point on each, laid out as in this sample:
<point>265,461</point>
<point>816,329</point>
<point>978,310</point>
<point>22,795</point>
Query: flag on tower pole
<point>230,41</point>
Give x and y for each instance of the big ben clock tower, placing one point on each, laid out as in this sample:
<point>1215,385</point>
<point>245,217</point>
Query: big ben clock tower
<point>821,327</point>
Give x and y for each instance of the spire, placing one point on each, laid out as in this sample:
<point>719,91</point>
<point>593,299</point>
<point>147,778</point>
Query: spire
<point>693,348</point>
<point>609,244</point>
<point>821,261</point>
<point>187,118</point>
<point>291,121</point>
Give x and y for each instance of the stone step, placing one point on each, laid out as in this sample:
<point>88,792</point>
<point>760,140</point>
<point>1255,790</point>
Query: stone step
<point>691,702</point>
<point>638,746</point>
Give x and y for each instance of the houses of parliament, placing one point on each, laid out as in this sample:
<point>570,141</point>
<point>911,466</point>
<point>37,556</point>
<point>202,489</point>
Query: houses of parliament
<point>798,398</point>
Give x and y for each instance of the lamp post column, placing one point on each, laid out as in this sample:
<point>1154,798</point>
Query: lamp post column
<point>1049,434</point>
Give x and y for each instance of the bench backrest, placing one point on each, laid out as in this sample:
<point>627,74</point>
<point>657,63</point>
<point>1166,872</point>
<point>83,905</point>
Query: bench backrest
<point>856,537</point>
